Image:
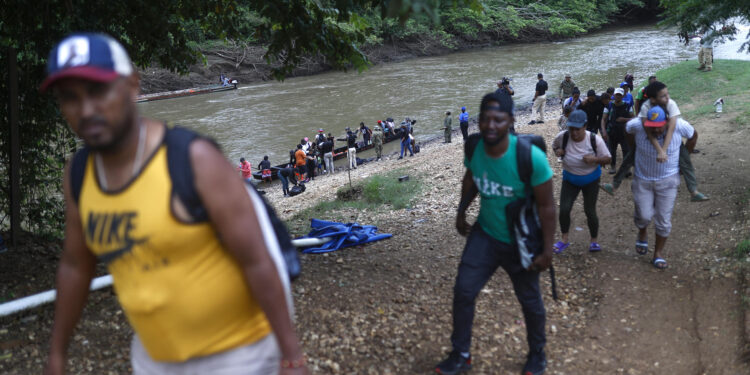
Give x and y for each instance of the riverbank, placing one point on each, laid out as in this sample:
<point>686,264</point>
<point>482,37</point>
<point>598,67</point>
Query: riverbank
<point>384,308</point>
<point>245,62</point>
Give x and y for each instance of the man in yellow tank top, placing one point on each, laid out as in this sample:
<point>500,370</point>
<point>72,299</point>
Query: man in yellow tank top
<point>197,305</point>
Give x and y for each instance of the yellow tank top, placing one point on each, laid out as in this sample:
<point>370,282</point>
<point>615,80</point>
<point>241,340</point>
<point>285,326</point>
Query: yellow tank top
<point>182,292</point>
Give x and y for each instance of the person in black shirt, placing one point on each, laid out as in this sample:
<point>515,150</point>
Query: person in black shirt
<point>265,169</point>
<point>327,149</point>
<point>540,100</point>
<point>594,109</point>
<point>366,133</point>
<point>286,175</point>
<point>351,153</point>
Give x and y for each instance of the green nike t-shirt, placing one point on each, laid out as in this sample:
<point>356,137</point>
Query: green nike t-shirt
<point>499,184</point>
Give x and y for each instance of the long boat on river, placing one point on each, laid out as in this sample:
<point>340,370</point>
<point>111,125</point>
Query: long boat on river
<point>185,92</point>
<point>338,153</point>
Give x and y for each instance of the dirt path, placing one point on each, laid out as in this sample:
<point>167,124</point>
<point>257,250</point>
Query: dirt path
<point>385,308</point>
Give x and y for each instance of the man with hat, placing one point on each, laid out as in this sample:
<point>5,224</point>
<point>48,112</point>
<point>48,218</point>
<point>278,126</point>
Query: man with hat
<point>583,153</point>
<point>320,137</point>
<point>377,139</point>
<point>196,281</point>
<point>566,88</point>
<point>627,97</point>
<point>492,172</point>
<point>593,105</point>
<point>463,123</point>
<point>655,183</point>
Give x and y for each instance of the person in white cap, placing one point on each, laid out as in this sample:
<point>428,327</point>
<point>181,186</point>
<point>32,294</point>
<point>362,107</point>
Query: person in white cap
<point>197,278</point>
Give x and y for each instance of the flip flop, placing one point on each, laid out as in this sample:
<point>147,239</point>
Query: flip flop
<point>559,247</point>
<point>659,263</point>
<point>641,247</point>
<point>594,247</point>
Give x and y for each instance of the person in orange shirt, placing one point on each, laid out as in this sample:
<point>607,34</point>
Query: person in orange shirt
<point>301,163</point>
<point>246,168</point>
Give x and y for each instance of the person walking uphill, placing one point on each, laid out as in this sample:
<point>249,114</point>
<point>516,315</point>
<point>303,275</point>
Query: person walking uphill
<point>540,100</point>
<point>566,88</point>
<point>583,153</point>
<point>447,127</point>
<point>463,123</point>
<point>121,210</point>
<point>492,172</point>
<point>655,183</point>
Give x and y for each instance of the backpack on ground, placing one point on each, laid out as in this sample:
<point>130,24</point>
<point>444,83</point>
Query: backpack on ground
<point>524,223</point>
<point>297,189</point>
<point>566,136</point>
<point>177,141</point>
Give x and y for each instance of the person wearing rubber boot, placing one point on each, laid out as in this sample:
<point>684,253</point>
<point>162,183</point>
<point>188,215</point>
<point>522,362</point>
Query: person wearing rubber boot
<point>492,172</point>
<point>655,184</point>
<point>583,155</point>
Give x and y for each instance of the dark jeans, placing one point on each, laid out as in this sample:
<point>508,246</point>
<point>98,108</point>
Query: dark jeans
<point>464,129</point>
<point>686,168</point>
<point>310,169</point>
<point>406,145</point>
<point>568,196</point>
<point>481,257</point>
<point>617,137</point>
<point>284,184</point>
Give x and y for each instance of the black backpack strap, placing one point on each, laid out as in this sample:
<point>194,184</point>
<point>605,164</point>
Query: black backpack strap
<point>471,144</point>
<point>592,138</point>
<point>178,140</point>
<point>523,158</point>
<point>77,171</point>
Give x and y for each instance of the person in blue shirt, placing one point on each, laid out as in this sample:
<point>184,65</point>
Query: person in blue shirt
<point>628,97</point>
<point>463,121</point>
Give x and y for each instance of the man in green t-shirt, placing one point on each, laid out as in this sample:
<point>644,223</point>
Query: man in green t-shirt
<point>492,172</point>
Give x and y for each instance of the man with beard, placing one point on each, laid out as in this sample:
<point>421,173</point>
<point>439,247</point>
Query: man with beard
<point>492,172</point>
<point>196,281</point>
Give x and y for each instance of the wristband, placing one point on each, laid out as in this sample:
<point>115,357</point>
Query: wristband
<point>298,363</point>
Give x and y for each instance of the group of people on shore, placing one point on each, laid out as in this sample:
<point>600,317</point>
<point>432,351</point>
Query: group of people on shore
<point>315,157</point>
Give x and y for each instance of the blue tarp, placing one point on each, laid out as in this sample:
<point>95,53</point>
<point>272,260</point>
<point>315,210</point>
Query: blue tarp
<point>344,235</point>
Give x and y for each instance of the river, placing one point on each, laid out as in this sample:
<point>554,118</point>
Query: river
<point>270,118</point>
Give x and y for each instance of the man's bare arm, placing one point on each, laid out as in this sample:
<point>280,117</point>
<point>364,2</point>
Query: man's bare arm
<point>690,144</point>
<point>469,191</point>
<point>234,218</point>
<point>74,275</point>
<point>545,202</point>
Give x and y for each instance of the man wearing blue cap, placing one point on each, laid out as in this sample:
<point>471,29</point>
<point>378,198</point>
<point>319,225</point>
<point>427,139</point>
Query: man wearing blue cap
<point>627,96</point>
<point>583,153</point>
<point>463,122</point>
<point>655,183</point>
<point>197,304</point>
<point>492,172</point>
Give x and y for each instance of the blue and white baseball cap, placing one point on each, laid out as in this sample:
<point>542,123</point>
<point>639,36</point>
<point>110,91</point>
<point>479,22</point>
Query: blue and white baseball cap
<point>95,57</point>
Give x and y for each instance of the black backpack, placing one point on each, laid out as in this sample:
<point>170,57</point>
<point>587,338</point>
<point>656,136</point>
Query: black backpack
<point>566,136</point>
<point>297,189</point>
<point>177,140</point>
<point>524,223</point>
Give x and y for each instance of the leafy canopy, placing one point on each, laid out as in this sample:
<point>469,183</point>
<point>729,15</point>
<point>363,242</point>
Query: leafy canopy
<point>697,16</point>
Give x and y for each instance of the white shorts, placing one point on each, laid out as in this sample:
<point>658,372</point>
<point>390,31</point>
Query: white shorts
<point>260,358</point>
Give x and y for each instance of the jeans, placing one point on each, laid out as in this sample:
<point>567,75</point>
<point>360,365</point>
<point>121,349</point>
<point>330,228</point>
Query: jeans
<point>406,144</point>
<point>328,160</point>
<point>568,196</point>
<point>284,184</point>
<point>464,129</point>
<point>655,200</point>
<point>481,257</point>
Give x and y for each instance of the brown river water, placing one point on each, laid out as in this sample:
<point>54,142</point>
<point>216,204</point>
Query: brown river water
<point>270,118</point>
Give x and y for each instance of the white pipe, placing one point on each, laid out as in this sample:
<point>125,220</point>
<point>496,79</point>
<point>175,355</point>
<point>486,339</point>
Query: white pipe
<point>38,299</point>
<point>35,300</point>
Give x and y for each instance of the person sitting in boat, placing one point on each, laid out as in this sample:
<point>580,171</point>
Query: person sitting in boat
<point>221,78</point>
<point>265,169</point>
<point>246,168</point>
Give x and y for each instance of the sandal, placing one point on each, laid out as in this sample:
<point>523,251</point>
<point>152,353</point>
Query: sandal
<point>594,247</point>
<point>559,247</point>
<point>700,197</point>
<point>659,263</point>
<point>641,247</point>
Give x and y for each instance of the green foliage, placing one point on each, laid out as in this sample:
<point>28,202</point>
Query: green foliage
<point>696,16</point>
<point>742,250</point>
<point>727,80</point>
